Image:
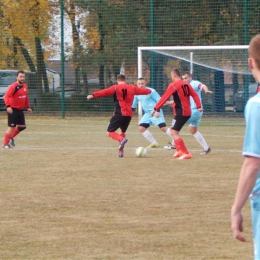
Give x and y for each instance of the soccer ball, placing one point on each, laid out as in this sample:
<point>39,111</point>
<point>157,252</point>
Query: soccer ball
<point>140,152</point>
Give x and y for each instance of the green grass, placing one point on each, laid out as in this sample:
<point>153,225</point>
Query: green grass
<point>66,195</point>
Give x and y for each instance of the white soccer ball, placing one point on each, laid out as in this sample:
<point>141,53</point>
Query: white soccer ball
<point>140,152</point>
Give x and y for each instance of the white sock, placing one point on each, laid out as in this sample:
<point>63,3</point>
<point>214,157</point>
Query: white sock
<point>168,132</point>
<point>199,137</point>
<point>148,136</point>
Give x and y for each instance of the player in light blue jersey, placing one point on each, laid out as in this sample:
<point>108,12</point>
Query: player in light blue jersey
<point>249,180</point>
<point>196,116</point>
<point>148,102</point>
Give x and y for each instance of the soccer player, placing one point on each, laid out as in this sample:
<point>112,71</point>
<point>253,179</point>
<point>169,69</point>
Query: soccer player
<point>148,102</point>
<point>195,118</point>
<point>181,92</point>
<point>16,99</point>
<point>249,179</point>
<point>123,95</point>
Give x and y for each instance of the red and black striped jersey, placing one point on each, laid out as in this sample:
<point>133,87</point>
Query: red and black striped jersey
<point>181,92</point>
<point>16,96</point>
<point>123,95</point>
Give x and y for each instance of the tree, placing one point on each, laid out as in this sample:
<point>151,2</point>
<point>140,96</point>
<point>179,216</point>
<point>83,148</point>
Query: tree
<point>25,39</point>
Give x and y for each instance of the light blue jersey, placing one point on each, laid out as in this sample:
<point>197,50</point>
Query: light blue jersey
<point>197,86</point>
<point>148,102</point>
<point>251,148</point>
<point>195,118</point>
<point>252,135</point>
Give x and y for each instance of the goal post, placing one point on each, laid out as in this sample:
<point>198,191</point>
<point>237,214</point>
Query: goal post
<point>224,69</point>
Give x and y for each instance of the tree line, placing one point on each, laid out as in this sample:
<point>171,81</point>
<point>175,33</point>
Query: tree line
<point>113,29</point>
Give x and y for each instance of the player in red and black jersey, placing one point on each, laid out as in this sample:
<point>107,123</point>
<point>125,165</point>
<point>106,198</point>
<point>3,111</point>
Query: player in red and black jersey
<point>123,95</point>
<point>16,99</point>
<point>181,92</point>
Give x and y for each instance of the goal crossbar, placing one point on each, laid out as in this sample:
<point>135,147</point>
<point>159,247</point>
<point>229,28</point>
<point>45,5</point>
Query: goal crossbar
<point>230,58</point>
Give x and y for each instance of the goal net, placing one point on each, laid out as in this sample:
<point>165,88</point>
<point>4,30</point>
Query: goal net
<point>223,69</point>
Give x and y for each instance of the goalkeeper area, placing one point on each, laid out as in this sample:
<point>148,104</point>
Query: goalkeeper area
<point>66,195</point>
<point>223,69</point>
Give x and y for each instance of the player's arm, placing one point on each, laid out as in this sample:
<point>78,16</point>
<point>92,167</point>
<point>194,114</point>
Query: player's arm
<point>141,91</point>
<point>164,98</point>
<point>196,98</point>
<point>135,103</point>
<point>27,103</point>
<point>9,93</point>
<point>247,179</point>
<point>168,102</point>
<point>7,98</point>
<point>206,89</point>
<point>107,92</point>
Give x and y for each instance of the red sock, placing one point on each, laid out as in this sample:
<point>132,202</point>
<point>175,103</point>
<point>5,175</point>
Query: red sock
<point>14,133</point>
<point>6,139</point>
<point>122,134</point>
<point>180,145</point>
<point>115,136</point>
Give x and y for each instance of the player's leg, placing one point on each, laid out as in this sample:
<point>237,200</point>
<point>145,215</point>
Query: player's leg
<point>160,122</point>
<point>114,124</point>
<point>193,123</point>
<point>19,127</point>
<point>181,149</point>
<point>11,122</point>
<point>125,121</point>
<point>144,124</point>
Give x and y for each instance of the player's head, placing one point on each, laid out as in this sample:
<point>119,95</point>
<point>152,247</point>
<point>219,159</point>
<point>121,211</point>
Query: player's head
<point>254,56</point>
<point>187,77</point>
<point>141,83</point>
<point>175,74</point>
<point>121,78</point>
<point>20,76</point>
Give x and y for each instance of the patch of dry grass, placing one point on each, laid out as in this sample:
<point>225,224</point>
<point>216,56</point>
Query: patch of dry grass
<point>66,195</point>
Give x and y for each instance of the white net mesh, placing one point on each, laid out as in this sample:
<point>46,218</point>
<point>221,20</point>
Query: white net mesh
<point>231,59</point>
<point>224,69</point>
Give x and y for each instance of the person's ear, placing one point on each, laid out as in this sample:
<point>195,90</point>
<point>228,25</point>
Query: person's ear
<point>250,63</point>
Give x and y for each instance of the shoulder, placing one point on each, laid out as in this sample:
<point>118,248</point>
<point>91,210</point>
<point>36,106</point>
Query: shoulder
<point>195,83</point>
<point>252,109</point>
<point>13,85</point>
<point>152,89</point>
<point>254,100</point>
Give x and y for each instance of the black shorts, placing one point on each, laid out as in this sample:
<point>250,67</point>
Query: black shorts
<point>180,122</point>
<point>119,121</point>
<point>16,118</point>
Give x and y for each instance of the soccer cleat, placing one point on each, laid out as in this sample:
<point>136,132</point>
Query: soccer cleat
<point>153,145</point>
<point>121,153</point>
<point>170,146</point>
<point>177,154</point>
<point>8,146</point>
<point>122,144</point>
<point>206,151</point>
<point>185,156</point>
<point>11,142</point>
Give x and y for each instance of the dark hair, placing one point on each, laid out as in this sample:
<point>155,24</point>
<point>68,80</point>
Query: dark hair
<point>20,71</point>
<point>176,72</point>
<point>187,73</point>
<point>121,77</point>
<point>141,79</point>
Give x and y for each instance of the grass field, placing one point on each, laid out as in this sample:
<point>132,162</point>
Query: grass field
<point>66,195</point>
